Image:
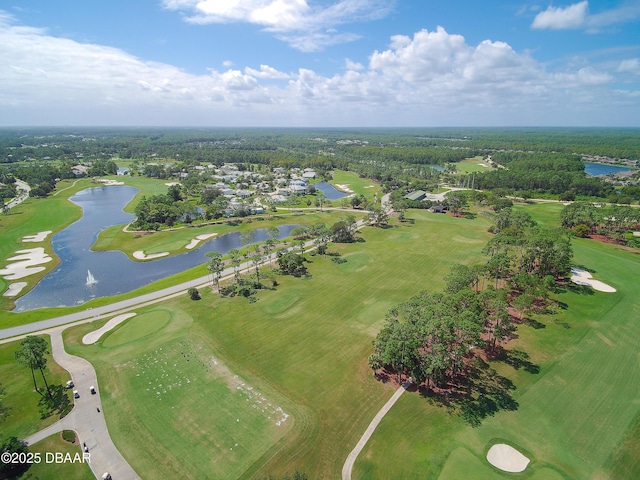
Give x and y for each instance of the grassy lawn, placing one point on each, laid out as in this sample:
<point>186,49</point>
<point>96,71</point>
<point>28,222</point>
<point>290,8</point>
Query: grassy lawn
<point>173,407</point>
<point>24,416</point>
<point>52,213</point>
<point>33,216</point>
<point>364,186</point>
<point>174,241</point>
<point>471,165</point>
<point>577,418</point>
<point>54,471</point>
<point>304,346</point>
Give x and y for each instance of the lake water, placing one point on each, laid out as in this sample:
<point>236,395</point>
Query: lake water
<point>114,272</point>
<point>331,192</point>
<point>594,169</point>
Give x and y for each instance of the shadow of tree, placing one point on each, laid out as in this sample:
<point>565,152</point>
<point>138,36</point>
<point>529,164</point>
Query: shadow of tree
<point>532,322</point>
<point>479,394</point>
<point>54,404</point>
<point>518,359</point>
<point>579,289</point>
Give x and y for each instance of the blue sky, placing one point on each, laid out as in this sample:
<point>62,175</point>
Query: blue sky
<point>320,63</point>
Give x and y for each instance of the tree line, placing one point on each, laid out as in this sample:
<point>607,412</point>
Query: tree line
<point>438,338</point>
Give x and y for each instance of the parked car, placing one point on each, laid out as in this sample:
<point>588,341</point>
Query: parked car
<point>76,394</point>
<point>70,384</point>
<point>92,389</point>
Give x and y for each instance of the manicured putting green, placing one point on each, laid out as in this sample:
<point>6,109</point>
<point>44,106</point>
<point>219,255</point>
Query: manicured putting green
<point>137,327</point>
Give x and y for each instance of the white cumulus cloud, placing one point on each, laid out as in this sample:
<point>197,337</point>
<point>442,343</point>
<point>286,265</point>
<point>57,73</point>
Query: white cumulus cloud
<point>578,16</point>
<point>306,25</point>
<point>559,18</point>
<point>429,78</point>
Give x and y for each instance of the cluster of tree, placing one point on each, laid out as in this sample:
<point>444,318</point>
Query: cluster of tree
<point>613,221</point>
<point>156,210</point>
<point>429,337</point>
<point>102,167</point>
<point>344,231</point>
<point>41,178</point>
<point>542,173</point>
<point>7,185</point>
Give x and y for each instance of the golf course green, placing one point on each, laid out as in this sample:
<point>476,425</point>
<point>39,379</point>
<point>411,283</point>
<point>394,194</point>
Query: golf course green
<point>226,388</point>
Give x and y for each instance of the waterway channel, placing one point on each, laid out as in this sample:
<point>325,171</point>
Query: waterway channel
<point>113,271</point>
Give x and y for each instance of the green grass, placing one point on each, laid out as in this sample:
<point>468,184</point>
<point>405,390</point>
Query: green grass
<point>305,346</point>
<point>306,343</point>
<point>174,241</point>
<point>471,165</point>
<point>577,418</point>
<point>52,470</point>
<point>53,213</point>
<point>364,186</point>
<point>22,400</point>
<point>173,407</point>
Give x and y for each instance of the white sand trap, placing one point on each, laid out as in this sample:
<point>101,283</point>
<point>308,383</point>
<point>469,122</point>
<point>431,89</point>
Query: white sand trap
<point>92,337</point>
<point>25,263</point>
<point>636,234</point>
<point>108,182</point>
<point>171,184</point>
<point>194,243</point>
<point>140,255</point>
<point>582,277</point>
<point>344,187</point>
<point>507,458</point>
<point>14,289</point>
<point>38,237</point>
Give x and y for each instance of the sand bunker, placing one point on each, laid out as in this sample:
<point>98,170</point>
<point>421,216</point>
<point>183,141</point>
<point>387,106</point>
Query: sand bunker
<point>636,234</point>
<point>344,188</point>
<point>194,243</point>
<point>93,337</point>
<point>140,255</point>
<point>507,458</point>
<point>108,182</point>
<point>14,289</point>
<point>25,263</point>
<point>38,237</point>
<point>582,277</point>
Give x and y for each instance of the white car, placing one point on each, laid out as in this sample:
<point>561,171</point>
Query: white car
<point>76,394</point>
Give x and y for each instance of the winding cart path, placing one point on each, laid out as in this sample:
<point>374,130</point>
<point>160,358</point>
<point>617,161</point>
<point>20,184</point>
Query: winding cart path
<point>351,459</point>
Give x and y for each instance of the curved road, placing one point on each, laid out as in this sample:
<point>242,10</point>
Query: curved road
<point>85,419</point>
<point>23,193</point>
<point>88,423</point>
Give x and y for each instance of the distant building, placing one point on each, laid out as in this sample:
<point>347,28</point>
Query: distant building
<point>416,195</point>
<point>438,209</point>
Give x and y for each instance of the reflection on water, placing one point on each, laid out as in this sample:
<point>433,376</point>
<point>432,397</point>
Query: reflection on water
<point>113,272</point>
<point>331,192</point>
<point>594,169</point>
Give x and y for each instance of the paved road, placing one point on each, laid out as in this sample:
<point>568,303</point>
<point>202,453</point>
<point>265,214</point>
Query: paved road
<point>23,193</point>
<point>88,423</point>
<point>351,459</point>
<point>123,306</point>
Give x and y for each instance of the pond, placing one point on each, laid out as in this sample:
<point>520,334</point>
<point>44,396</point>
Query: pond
<point>594,169</point>
<point>114,272</point>
<point>331,192</point>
